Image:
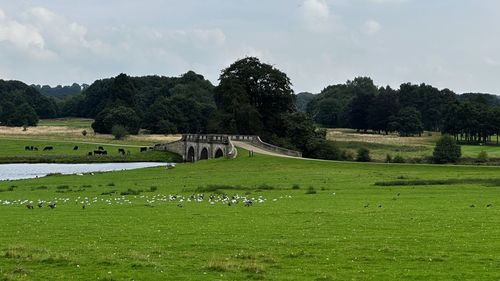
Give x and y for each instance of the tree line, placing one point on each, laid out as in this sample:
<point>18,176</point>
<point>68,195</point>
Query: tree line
<point>409,110</point>
<point>255,98</point>
<point>22,105</point>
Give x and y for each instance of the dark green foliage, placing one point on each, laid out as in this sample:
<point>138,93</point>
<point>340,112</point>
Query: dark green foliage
<point>218,188</point>
<point>490,182</point>
<point>22,105</point>
<point>60,91</point>
<point>311,190</point>
<point>121,115</point>
<point>331,107</point>
<point>131,191</point>
<point>388,158</point>
<point>302,100</point>
<point>383,108</point>
<point>398,159</point>
<point>407,122</point>
<point>161,104</point>
<point>119,132</point>
<point>323,149</point>
<point>363,155</point>
<point>252,98</point>
<point>256,98</point>
<point>364,93</point>
<point>446,150</point>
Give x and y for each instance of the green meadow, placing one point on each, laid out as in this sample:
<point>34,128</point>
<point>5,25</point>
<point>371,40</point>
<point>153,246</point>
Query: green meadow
<point>13,150</point>
<point>310,220</point>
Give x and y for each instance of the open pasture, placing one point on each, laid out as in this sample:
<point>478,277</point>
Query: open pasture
<point>408,147</point>
<point>317,221</point>
<point>76,123</point>
<point>47,151</point>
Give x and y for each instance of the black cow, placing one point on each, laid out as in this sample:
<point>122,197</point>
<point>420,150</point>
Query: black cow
<point>104,152</point>
<point>35,148</point>
<point>97,152</point>
<point>100,148</point>
<point>39,204</point>
<point>75,148</point>
<point>144,149</point>
<point>121,151</point>
<point>52,205</point>
<point>90,153</point>
<point>29,206</point>
<point>48,148</point>
<point>27,148</point>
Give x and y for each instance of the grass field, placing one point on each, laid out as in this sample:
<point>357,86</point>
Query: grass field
<point>411,147</point>
<point>12,150</point>
<point>316,221</point>
<point>76,123</point>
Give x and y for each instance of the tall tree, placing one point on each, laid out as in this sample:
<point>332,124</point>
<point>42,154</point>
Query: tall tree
<point>258,88</point>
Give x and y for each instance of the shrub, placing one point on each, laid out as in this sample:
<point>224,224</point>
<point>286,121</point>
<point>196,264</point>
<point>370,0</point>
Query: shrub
<point>84,133</point>
<point>131,192</point>
<point>119,132</point>
<point>153,188</point>
<point>311,190</point>
<point>446,150</point>
<point>398,159</point>
<point>388,158</point>
<point>347,155</point>
<point>482,157</point>
<point>296,186</point>
<point>363,155</point>
<point>322,149</point>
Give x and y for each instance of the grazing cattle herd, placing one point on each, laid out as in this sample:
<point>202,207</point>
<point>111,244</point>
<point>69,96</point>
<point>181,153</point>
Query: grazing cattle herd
<point>100,151</point>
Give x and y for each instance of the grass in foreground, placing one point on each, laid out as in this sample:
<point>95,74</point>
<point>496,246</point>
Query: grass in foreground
<point>347,229</point>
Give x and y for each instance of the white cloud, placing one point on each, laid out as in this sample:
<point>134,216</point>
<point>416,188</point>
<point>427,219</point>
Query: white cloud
<point>372,27</point>
<point>21,35</point>
<point>2,14</point>
<point>316,14</point>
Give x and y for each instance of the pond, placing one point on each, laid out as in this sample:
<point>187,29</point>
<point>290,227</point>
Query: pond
<point>29,171</point>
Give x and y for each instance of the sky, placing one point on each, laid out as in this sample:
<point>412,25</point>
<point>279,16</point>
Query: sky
<point>446,43</point>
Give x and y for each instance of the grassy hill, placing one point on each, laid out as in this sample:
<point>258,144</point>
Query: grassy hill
<point>316,221</point>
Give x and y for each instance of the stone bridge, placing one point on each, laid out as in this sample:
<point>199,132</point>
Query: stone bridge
<point>194,147</point>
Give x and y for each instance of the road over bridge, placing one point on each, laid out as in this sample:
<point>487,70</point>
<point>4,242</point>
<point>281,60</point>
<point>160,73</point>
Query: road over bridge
<point>194,147</point>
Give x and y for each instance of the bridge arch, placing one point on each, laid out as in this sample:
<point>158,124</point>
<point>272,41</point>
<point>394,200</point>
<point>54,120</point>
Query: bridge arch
<point>190,155</point>
<point>219,153</point>
<point>204,154</point>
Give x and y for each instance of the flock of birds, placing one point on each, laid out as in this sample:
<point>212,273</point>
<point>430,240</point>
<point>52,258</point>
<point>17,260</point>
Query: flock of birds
<point>146,200</point>
<point>152,201</point>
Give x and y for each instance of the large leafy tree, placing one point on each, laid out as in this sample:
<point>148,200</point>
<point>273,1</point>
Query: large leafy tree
<point>252,97</point>
<point>120,115</point>
<point>364,92</point>
<point>407,122</point>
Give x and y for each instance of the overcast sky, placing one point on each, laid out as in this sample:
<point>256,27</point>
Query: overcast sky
<point>446,43</point>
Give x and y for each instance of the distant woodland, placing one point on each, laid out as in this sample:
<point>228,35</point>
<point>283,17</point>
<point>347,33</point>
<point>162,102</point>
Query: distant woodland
<point>255,98</point>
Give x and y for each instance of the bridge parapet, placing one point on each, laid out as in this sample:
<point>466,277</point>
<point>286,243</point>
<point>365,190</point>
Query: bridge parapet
<point>194,147</point>
<point>256,141</point>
